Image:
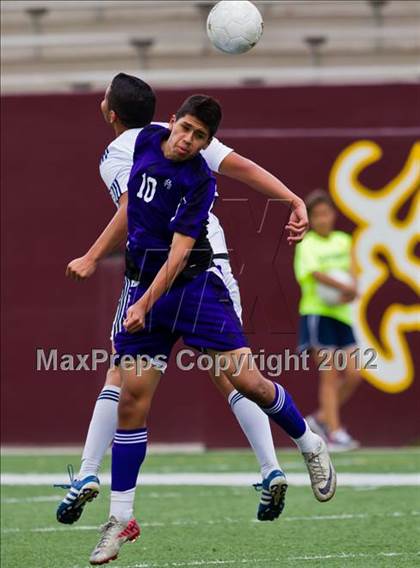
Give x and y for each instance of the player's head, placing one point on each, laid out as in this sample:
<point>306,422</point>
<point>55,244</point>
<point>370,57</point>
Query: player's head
<point>128,100</point>
<point>321,211</point>
<point>203,107</point>
<point>193,126</point>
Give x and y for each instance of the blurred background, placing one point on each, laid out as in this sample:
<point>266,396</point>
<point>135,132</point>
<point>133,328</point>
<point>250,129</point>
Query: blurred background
<point>329,98</point>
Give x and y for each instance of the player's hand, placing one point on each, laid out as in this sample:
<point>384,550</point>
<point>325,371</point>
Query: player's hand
<point>135,318</point>
<point>298,224</point>
<point>81,268</point>
<point>349,293</point>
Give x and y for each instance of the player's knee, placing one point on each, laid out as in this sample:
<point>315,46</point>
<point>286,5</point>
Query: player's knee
<point>131,405</point>
<point>255,388</point>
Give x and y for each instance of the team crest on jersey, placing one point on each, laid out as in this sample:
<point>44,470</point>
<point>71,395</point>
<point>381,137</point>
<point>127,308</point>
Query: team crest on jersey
<point>168,183</point>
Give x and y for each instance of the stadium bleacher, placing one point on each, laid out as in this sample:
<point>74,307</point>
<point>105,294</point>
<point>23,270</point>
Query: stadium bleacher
<point>58,46</point>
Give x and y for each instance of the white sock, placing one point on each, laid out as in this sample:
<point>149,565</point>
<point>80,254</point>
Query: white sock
<point>308,442</point>
<point>122,505</point>
<point>256,427</point>
<point>102,427</point>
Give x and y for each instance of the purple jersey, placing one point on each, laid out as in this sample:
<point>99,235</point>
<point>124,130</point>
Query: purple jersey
<point>166,197</point>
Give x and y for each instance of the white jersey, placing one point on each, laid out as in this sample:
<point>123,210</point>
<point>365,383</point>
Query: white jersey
<point>117,161</point>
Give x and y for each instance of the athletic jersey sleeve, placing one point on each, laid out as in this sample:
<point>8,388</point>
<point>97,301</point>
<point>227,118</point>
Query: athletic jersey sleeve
<point>305,261</point>
<point>215,153</point>
<point>115,170</point>
<point>116,163</point>
<point>193,209</point>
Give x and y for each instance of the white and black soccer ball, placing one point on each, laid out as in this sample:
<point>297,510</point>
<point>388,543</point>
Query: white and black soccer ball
<point>329,294</point>
<point>234,26</point>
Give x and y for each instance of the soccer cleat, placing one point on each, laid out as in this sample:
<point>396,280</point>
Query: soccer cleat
<point>322,472</point>
<point>113,535</point>
<point>81,491</point>
<point>273,495</point>
<point>341,441</point>
<point>316,426</point>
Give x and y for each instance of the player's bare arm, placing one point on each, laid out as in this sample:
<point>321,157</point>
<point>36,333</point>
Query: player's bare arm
<point>111,237</point>
<point>234,166</point>
<point>242,169</point>
<point>177,259</point>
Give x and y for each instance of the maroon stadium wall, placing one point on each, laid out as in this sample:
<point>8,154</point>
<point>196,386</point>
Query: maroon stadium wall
<point>54,204</point>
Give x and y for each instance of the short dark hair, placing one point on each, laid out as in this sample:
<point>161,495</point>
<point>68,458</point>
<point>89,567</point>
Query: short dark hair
<point>205,108</point>
<point>132,100</point>
<point>315,198</point>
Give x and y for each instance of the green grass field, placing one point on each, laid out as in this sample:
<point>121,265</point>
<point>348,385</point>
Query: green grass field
<point>207,526</point>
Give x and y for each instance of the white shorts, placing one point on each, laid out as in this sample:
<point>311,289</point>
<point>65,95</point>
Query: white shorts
<point>224,268</point>
<point>123,302</point>
<point>231,284</point>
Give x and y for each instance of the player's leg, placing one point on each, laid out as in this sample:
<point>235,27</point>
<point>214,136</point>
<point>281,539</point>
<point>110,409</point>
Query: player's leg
<point>350,381</point>
<point>341,387</point>
<point>351,378</point>
<point>276,402</point>
<point>128,450</point>
<point>308,341</point>
<point>218,330</point>
<point>102,425</point>
<point>253,422</point>
<point>334,389</point>
<point>329,383</point>
<point>128,453</point>
<point>85,486</point>
<point>140,378</point>
<point>322,335</point>
<point>104,418</point>
<point>256,427</point>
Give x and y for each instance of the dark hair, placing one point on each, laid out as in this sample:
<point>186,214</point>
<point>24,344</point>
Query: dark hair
<point>204,108</point>
<point>132,100</point>
<point>315,198</point>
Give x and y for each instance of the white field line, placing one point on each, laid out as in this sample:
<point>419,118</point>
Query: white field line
<point>270,561</point>
<point>13,450</point>
<point>223,479</point>
<point>192,448</point>
<point>222,521</point>
<point>38,499</point>
<point>279,562</point>
<point>58,498</point>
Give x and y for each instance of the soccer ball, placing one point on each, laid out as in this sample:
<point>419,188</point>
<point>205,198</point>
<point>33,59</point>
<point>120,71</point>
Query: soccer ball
<point>234,26</point>
<point>329,294</point>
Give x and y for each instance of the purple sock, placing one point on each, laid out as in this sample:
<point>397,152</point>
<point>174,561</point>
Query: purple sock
<point>284,413</point>
<point>128,453</point>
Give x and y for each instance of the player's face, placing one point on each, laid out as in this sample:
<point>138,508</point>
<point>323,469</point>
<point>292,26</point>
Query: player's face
<point>322,219</point>
<point>188,136</point>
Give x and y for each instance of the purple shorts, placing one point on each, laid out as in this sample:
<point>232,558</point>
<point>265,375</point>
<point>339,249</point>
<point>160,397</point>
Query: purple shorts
<point>200,311</point>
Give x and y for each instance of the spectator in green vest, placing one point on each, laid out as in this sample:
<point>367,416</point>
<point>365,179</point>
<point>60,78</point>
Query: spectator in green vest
<point>324,269</point>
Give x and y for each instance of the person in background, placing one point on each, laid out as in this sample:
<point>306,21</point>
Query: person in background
<point>325,327</point>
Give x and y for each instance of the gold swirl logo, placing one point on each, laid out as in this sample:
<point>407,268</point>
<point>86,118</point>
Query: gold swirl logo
<point>381,233</point>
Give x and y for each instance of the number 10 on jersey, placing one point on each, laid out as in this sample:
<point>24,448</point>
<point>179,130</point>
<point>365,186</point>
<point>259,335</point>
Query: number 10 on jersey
<point>147,189</point>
